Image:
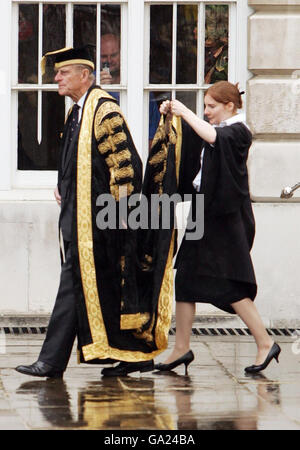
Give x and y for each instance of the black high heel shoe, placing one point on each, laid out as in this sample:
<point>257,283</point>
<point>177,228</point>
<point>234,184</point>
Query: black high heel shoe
<point>273,353</point>
<point>186,359</point>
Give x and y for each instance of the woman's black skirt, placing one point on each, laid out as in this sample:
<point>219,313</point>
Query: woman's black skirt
<point>217,291</point>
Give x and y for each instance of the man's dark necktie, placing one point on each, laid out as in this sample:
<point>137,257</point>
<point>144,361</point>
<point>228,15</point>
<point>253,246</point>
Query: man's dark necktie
<point>72,128</point>
<point>73,121</point>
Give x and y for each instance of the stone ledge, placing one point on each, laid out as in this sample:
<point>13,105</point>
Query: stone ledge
<point>25,320</point>
<point>204,320</point>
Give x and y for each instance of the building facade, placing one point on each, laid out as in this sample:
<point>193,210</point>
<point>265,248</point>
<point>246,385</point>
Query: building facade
<point>155,50</point>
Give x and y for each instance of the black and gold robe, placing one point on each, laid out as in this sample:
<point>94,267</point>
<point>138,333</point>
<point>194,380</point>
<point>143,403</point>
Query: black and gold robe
<point>123,278</point>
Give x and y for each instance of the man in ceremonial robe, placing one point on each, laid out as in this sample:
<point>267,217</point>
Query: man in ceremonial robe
<point>115,292</point>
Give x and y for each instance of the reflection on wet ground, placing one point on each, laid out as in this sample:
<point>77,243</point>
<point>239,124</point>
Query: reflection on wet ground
<point>215,395</point>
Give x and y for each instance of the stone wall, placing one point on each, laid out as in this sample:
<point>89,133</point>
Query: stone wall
<point>30,266</point>
<point>274,96</point>
<point>30,259</point>
<point>273,111</point>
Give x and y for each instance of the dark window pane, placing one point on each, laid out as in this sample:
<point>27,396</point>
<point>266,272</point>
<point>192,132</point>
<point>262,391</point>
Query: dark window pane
<point>160,97</point>
<point>161,44</point>
<point>54,35</point>
<point>27,130</point>
<point>216,43</point>
<point>31,154</point>
<point>84,27</point>
<point>28,44</point>
<point>111,19</point>
<point>110,57</point>
<point>188,98</point>
<point>186,60</point>
<point>116,95</point>
<point>53,113</point>
<point>84,31</point>
<point>155,100</point>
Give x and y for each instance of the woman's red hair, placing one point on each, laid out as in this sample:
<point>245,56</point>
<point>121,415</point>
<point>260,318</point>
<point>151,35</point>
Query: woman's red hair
<point>225,92</point>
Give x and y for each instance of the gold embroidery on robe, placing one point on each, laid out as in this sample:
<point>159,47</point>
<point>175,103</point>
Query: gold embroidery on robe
<point>118,158</point>
<point>159,156</point>
<point>111,142</point>
<point>107,124</point>
<point>132,321</point>
<point>107,129</point>
<point>100,348</point>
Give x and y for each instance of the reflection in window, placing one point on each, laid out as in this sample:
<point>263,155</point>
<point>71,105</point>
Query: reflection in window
<point>161,44</point>
<point>110,45</point>
<point>48,114</point>
<point>160,97</point>
<point>154,114</point>
<point>28,44</point>
<point>110,57</point>
<point>84,25</point>
<point>216,43</point>
<point>186,60</point>
<point>31,154</point>
<point>85,28</point>
<point>85,33</point>
<point>215,65</point>
<point>54,30</point>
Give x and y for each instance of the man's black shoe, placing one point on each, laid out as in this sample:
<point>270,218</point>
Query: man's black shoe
<point>40,369</point>
<point>124,368</point>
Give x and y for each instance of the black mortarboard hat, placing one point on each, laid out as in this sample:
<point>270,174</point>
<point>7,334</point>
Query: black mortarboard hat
<point>68,55</point>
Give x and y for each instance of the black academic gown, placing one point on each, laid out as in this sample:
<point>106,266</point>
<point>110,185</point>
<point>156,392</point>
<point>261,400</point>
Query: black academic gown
<point>218,268</point>
<point>66,179</point>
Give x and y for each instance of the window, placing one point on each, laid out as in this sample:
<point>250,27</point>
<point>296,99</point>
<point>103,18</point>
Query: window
<point>42,27</point>
<point>190,46</point>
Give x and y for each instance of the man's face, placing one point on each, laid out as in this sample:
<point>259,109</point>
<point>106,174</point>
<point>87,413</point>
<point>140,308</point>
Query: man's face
<point>110,52</point>
<point>69,80</point>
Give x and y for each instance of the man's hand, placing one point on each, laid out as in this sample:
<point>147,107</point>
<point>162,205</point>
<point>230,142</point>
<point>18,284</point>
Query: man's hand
<point>57,196</point>
<point>105,77</point>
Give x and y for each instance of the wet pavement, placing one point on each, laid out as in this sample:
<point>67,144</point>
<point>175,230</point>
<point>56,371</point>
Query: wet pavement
<point>215,395</point>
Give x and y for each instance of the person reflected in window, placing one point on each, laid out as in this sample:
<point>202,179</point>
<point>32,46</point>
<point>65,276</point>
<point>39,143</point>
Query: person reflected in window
<point>110,74</point>
<point>217,268</point>
<point>110,59</point>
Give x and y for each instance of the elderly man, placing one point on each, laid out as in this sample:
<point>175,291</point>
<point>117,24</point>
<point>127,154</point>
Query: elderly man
<point>98,298</point>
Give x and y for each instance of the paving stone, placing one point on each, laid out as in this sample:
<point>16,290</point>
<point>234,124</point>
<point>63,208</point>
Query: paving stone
<point>215,395</point>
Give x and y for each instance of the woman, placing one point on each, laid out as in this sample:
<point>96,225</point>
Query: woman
<point>217,269</point>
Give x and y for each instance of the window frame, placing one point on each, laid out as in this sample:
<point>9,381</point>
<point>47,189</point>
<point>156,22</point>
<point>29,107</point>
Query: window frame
<point>237,70</point>
<point>48,178</point>
<point>135,17</point>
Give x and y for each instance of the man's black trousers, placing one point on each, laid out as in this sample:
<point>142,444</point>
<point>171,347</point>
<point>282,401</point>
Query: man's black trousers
<point>62,328</point>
